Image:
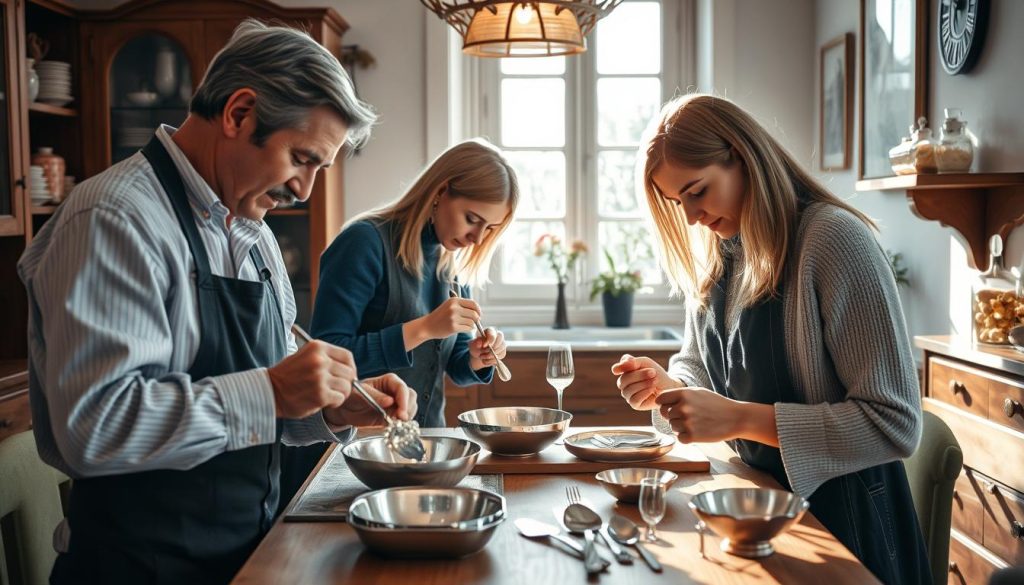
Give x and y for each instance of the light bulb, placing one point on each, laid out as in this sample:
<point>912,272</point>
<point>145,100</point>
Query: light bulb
<point>524,14</point>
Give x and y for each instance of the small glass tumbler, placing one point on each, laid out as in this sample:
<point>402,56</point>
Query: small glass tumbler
<point>652,505</point>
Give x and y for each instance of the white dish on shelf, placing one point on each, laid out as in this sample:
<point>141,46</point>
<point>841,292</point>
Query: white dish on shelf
<point>142,98</point>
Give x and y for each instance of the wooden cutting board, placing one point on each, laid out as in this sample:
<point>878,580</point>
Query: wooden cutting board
<point>555,459</point>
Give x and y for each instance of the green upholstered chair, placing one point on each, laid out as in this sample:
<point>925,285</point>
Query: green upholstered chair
<point>30,509</point>
<point>932,470</point>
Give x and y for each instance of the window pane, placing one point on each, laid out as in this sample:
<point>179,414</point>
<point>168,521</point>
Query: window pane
<point>533,112</point>
<point>518,264</point>
<point>629,39</point>
<point>541,177</point>
<point>534,66</point>
<point>616,191</point>
<point>624,107</point>
<point>630,244</point>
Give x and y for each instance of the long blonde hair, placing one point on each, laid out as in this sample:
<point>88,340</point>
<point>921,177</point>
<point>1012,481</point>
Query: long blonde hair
<point>698,130</point>
<point>474,169</point>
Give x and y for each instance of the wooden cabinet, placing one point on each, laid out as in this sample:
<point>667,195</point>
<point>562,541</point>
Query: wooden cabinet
<point>15,416</point>
<point>968,388</point>
<point>12,165</point>
<point>592,398</point>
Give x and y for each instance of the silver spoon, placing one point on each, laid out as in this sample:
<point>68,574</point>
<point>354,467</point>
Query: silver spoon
<point>402,436</point>
<point>626,532</point>
<point>531,528</point>
<point>579,518</point>
<point>504,374</point>
<point>620,553</point>
<point>1016,337</point>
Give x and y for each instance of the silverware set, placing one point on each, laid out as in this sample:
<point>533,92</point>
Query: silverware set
<point>618,535</point>
<point>628,442</point>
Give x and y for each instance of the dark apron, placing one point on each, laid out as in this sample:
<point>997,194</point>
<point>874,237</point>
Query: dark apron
<point>870,511</point>
<point>196,526</point>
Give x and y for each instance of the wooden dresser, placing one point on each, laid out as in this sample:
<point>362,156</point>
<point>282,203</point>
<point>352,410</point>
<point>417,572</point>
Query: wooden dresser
<point>14,411</point>
<point>979,393</point>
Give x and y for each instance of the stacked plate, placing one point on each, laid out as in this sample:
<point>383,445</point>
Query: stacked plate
<point>131,137</point>
<point>54,82</point>
<point>38,190</point>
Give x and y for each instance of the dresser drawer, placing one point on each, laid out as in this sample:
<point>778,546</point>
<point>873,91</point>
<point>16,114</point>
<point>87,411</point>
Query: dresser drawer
<point>958,385</point>
<point>1006,402</point>
<point>1004,521</point>
<point>969,563</point>
<point>968,515</point>
<point>15,414</point>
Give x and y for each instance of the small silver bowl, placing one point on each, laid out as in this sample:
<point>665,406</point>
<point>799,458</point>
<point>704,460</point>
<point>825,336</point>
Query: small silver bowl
<point>624,482</point>
<point>446,462</point>
<point>516,431</point>
<point>748,518</point>
<point>420,522</point>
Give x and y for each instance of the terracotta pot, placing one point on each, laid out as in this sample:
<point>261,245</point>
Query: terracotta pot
<point>53,170</point>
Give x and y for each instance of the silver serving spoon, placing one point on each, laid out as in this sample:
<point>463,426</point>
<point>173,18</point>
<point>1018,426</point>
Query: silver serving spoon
<point>402,436</point>
<point>504,374</point>
<point>531,528</point>
<point>1016,337</point>
<point>626,532</point>
<point>579,518</point>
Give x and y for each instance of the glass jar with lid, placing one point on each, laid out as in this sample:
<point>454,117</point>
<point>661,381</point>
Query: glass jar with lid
<point>996,304</point>
<point>900,156</point>
<point>955,151</point>
<point>923,150</point>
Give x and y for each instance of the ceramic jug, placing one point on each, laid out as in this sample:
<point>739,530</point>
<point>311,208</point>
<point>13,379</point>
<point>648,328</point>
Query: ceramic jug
<point>33,81</point>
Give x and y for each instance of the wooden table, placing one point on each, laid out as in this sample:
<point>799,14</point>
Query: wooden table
<point>325,553</point>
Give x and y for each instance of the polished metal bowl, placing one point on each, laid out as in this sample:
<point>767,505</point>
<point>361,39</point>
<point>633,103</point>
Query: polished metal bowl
<point>516,431</point>
<point>624,482</point>
<point>748,518</point>
<point>446,462</point>
<point>421,522</point>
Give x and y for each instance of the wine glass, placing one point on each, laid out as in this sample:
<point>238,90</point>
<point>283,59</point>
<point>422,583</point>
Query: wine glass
<point>560,371</point>
<point>652,504</point>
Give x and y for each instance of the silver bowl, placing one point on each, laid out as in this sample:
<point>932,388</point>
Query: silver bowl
<point>421,522</point>
<point>624,482</point>
<point>516,431</point>
<point>446,462</point>
<point>748,518</point>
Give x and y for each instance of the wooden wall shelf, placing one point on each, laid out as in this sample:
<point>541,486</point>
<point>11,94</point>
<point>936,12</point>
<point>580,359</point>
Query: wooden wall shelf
<point>42,108</point>
<point>976,205</point>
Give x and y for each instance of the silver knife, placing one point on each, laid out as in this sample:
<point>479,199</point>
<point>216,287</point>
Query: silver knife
<point>620,553</point>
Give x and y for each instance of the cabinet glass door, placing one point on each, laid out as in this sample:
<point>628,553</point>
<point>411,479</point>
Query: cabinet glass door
<point>150,85</point>
<point>7,120</point>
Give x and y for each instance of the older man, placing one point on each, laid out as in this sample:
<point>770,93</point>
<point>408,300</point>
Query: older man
<point>163,372</point>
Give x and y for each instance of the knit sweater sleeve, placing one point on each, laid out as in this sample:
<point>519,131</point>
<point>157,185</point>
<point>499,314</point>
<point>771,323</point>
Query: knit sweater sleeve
<point>849,309</point>
<point>687,365</point>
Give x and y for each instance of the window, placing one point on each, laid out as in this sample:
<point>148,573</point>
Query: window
<point>571,127</point>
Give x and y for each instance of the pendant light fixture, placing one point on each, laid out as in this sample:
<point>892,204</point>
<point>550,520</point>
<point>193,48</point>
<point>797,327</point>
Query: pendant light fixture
<point>503,28</point>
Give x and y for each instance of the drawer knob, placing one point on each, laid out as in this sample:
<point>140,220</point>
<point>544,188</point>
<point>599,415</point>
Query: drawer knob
<point>1017,530</point>
<point>1011,407</point>
<point>956,387</point>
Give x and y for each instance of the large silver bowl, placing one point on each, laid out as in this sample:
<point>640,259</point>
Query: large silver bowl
<point>446,462</point>
<point>516,431</point>
<point>748,518</point>
<point>420,522</point>
<point>624,482</point>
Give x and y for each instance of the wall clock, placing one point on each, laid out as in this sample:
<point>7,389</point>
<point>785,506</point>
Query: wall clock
<point>961,33</point>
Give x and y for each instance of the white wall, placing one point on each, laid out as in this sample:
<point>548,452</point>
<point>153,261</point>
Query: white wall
<point>937,301</point>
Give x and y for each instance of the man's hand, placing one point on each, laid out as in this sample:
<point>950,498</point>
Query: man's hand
<point>641,379</point>
<point>388,390</point>
<point>319,375</point>
<point>480,356</point>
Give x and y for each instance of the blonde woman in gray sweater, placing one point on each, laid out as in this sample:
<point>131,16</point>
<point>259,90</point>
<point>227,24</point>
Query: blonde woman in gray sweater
<point>795,345</point>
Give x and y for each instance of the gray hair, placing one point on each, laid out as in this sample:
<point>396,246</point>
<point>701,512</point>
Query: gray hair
<point>290,73</point>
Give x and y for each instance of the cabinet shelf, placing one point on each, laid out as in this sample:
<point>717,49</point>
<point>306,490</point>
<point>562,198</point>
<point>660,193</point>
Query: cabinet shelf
<point>976,205</point>
<point>43,209</point>
<point>42,108</point>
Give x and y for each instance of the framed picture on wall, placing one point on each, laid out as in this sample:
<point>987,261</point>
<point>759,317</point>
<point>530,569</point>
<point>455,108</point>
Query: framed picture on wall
<point>893,77</point>
<point>835,111</point>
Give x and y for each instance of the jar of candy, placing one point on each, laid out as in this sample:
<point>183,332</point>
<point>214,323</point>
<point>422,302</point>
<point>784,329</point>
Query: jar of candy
<point>923,150</point>
<point>900,156</point>
<point>955,151</point>
<point>995,303</point>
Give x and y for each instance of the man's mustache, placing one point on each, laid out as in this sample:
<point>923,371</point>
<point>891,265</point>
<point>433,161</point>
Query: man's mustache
<point>284,196</point>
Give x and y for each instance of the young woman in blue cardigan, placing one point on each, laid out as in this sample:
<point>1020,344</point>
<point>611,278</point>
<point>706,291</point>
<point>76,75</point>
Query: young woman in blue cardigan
<point>386,280</point>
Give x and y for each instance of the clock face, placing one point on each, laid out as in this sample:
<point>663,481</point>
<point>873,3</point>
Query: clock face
<point>961,33</point>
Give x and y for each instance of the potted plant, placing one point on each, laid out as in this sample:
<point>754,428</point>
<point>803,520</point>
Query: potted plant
<point>562,262</point>
<point>616,289</point>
